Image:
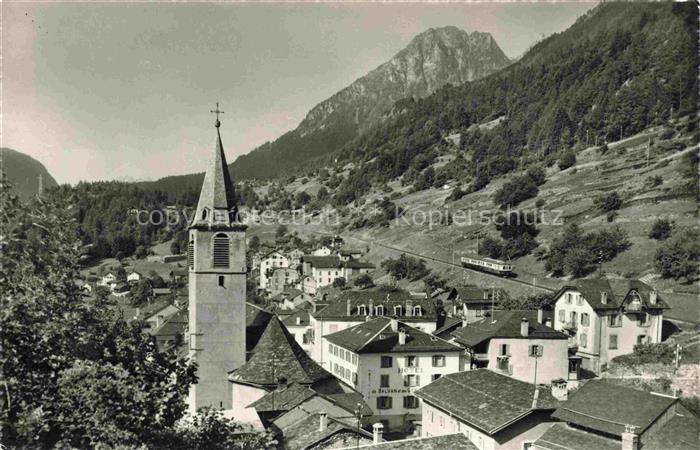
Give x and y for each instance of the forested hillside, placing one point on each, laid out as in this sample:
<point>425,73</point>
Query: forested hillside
<point>620,68</point>
<point>23,171</point>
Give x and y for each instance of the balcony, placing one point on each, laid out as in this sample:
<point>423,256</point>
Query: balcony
<point>502,364</point>
<point>634,307</point>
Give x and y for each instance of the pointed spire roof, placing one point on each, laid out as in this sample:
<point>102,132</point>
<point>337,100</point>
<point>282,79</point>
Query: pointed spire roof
<point>278,355</point>
<point>217,205</point>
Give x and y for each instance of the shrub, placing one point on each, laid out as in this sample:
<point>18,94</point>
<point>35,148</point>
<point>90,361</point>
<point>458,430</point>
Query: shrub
<point>480,182</point>
<point>515,191</point>
<point>608,202</point>
<point>537,174</point>
<point>339,282</point>
<point>567,160</point>
<point>491,247</point>
<point>647,354</point>
<point>363,281</point>
<point>678,256</point>
<point>654,181</point>
<point>405,267</point>
<point>661,230</point>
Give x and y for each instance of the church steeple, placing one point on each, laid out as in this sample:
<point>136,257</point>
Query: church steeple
<point>217,203</point>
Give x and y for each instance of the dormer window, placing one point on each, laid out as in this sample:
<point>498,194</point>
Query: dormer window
<point>417,311</point>
<point>398,310</point>
<point>362,310</point>
<point>635,303</point>
<point>379,310</point>
<point>205,213</point>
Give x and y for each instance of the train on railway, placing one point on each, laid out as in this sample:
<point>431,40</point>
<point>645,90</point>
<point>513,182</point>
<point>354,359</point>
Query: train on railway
<point>490,265</point>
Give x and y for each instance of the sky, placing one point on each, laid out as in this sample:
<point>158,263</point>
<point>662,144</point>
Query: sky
<point>102,91</point>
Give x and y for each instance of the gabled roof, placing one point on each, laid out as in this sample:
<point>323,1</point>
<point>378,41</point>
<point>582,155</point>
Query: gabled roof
<point>376,336</point>
<point>617,292</point>
<point>306,433</point>
<point>172,325</point>
<point>352,264</point>
<point>349,251</point>
<point>323,262</point>
<point>451,323</point>
<point>277,355</point>
<point>217,192</point>
<point>504,324</point>
<point>485,399</point>
<point>283,399</point>
<point>608,407</point>
<point>287,293</point>
<point>475,294</point>
<point>291,320</point>
<point>456,441</point>
<point>337,308</point>
<point>680,433</point>
<point>563,437</point>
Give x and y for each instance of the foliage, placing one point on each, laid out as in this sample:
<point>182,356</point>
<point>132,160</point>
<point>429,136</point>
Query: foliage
<point>209,429</point>
<point>339,282</point>
<point>532,302</point>
<point>405,267</point>
<point>568,159</point>
<point>141,291</point>
<point>577,253</point>
<point>435,282</point>
<point>75,373</point>
<point>515,191</point>
<point>363,281</point>
<point>537,174</point>
<point>608,202</point>
<point>661,229</point>
<point>678,256</point>
<point>490,247</point>
<point>647,354</point>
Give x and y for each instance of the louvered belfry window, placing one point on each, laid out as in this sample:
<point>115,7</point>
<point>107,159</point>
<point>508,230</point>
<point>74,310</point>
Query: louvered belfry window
<point>190,254</point>
<point>221,251</point>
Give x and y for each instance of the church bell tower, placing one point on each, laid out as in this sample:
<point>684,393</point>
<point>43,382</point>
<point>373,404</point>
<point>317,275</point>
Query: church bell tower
<point>217,285</point>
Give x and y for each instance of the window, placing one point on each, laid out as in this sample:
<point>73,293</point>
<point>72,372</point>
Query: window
<point>383,402</point>
<point>330,348</point>
<point>562,316</point>
<point>438,360</point>
<point>644,319</point>
<point>568,298</point>
<point>386,361</point>
<point>642,339</point>
<point>615,320</point>
<point>436,376</point>
<point>579,300</point>
<point>417,311</point>
<point>612,342</point>
<point>442,420</point>
<point>411,380</point>
<point>585,321</point>
<point>379,310</point>
<point>504,350</point>
<point>583,340</point>
<point>190,254</point>
<point>410,402</point>
<point>204,213</point>
<point>354,378</point>
<point>362,310</point>
<point>398,310</point>
<point>411,361</point>
<point>221,281</point>
<point>221,251</point>
<point>573,316</point>
<point>536,350</point>
<point>479,312</point>
<point>354,359</point>
<point>384,381</point>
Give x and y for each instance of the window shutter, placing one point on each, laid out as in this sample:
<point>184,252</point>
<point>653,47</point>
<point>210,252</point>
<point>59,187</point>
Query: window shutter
<point>190,254</point>
<point>417,380</point>
<point>221,251</point>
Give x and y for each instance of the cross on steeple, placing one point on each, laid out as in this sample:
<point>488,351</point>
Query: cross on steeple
<point>217,111</point>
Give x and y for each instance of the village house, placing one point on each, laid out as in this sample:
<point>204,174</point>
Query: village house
<point>295,256</point>
<point>326,269</point>
<point>353,307</point>
<point>492,410</point>
<point>387,361</point>
<point>299,326</point>
<point>607,318</point>
<point>120,289</point>
<point>271,261</point>
<point>178,275</point>
<point>282,278</point>
<point>472,302</point>
<point>275,361</point>
<point>171,330</point>
<point>606,416</point>
<point>323,251</point>
<point>518,344</point>
<point>455,441</point>
<point>289,299</point>
<point>347,254</point>
<point>133,277</point>
<point>108,280</point>
<point>319,431</point>
<point>308,285</point>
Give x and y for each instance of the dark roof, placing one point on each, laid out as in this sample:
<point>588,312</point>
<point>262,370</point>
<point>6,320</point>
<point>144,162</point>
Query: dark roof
<point>349,251</point>
<point>563,437</point>
<point>161,291</point>
<point>286,294</point>
<point>291,320</point>
<point>179,272</point>
<point>352,264</point>
<point>617,290</point>
<point>376,336</point>
<point>504,324</point>
<point>349,402</point>
<point>485,399</point>
<point>306,433</point>
<point>456,441</point>
<point>323,262</point>
<point>606,407</point>
<point>276,355</point>
<point>682,432</point>
<point>451,323</point>
<point>256,316</point>
<point>337,308</point>
<point>177,323</point>
<point>283,399</point>
<point>475,294</point>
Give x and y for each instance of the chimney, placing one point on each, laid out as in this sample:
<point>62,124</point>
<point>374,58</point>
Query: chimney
<point>535,397</point>
<point>347,306</point>
<point>377,430</point>
<point>454,309</point>
<point>409,307</point>
<point>313,305</point>
<point>159,320</point>
<point>486,294</point>
<point>402,337</point>
<point>394,324</point>
<point>652,297</point>
<point>370,311</point>
<point>540,315</point>
<point>323,421</point>
<point>524,326</point>
<point>559,390</point>
<point>630,440</point>
<point>603,297</point>
<point>464,321</point>
<point>298,320</point>
<point>548,322</point>
<point>281,383</point>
